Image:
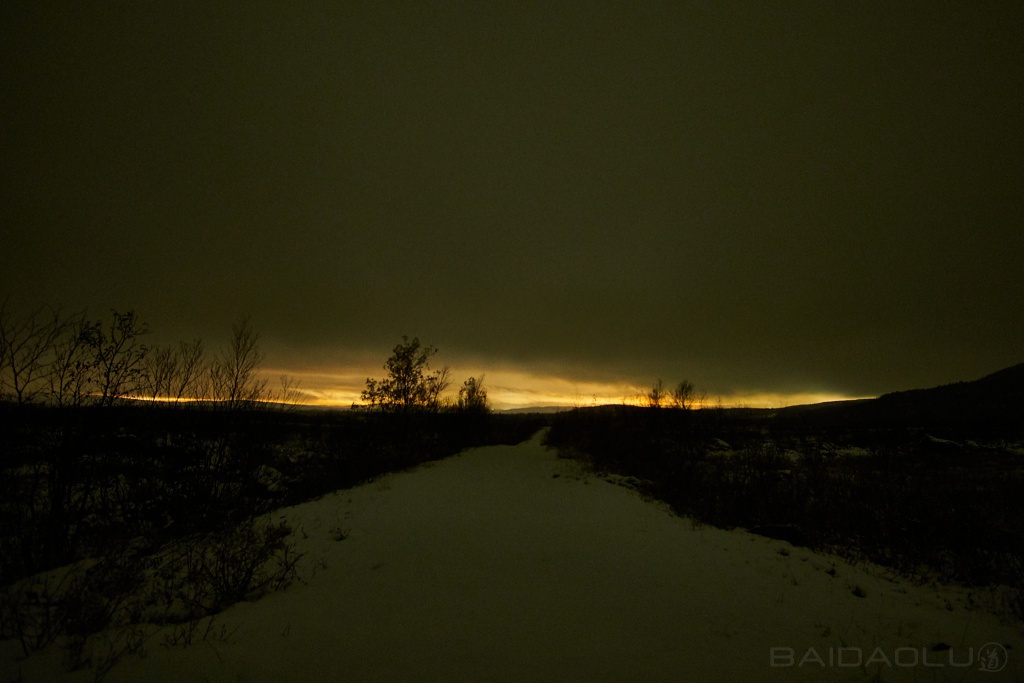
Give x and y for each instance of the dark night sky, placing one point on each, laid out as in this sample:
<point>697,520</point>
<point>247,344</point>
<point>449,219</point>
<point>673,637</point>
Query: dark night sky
<point>760,197</point>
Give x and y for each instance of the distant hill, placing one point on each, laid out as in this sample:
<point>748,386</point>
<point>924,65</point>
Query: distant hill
<point>534,409</point>
<point>994,403</point>
<point>1006,384</point>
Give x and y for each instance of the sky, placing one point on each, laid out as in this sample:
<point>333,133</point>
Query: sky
<point>778,201</point>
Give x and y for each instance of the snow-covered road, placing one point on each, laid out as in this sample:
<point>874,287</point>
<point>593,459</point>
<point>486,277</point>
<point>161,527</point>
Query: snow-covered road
<point>509,564</point>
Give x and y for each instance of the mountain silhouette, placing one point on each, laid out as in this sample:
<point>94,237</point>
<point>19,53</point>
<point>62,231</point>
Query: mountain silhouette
<point>993,404</point>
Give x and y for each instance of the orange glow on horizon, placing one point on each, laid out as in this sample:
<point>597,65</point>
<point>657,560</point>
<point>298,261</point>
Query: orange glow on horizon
<point>512,389</point>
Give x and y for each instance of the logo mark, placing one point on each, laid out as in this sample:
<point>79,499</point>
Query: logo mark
<point>992,657</point>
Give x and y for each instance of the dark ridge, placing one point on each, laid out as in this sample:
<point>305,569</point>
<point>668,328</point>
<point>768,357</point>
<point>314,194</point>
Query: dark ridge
<point>990,406</point>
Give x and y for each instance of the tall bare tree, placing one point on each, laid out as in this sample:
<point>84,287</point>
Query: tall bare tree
<point>159,371</point>
<point>436,383</point>
<point>234,375</point>
<point>72,373</point>
<point>27,344</point>
<point>189,382</point>
<point>119,357</point>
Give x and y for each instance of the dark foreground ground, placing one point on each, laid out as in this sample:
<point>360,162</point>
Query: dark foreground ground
<point>151,517</point>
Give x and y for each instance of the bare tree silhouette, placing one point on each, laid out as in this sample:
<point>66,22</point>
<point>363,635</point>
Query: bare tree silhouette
<point>233,374</point>
<point>685,396</point>
<point>26,346</point>
<point>409,385</point>
<point>71,374</point>
<point>119,356</point>
<point>656,396</point>
<point>473,396</point>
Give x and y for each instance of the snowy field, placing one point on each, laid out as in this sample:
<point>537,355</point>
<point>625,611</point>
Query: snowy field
<point>507,563</point>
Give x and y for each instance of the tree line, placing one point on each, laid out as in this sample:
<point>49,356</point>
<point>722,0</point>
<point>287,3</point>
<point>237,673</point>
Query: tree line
<point>53,357</point>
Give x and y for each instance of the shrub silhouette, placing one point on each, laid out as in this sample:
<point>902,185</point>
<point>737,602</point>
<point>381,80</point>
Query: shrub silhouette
<point>473,396</point>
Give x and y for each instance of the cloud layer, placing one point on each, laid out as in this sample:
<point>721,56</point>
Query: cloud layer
<point>787,198</point>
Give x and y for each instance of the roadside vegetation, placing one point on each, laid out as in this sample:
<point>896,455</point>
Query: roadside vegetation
<point>135,481</point>
<point>931,501</point>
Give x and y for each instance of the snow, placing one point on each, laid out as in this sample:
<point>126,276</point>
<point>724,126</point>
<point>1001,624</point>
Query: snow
<point>488,566</point>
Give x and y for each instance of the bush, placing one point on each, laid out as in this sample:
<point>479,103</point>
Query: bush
<point>240,563</point>
<point>100,611</point>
